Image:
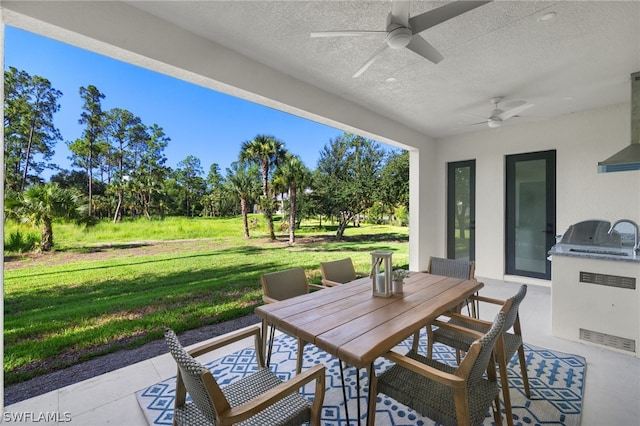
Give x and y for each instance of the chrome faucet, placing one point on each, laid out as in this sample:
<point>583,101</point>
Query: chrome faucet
<point>636,231</point>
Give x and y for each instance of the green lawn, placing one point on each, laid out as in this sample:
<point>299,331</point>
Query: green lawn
<point>93,296</point>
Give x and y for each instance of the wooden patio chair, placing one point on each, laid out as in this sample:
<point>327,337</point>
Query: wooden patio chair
<point>282,285</point>
<point>260,398</point>
<point>448,395</point>
<point>336,272</point>
<point>512,341</point>
<point>455,268</point>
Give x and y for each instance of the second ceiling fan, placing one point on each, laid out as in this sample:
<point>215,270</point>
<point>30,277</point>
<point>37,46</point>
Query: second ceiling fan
<point>498,116</point>
<point>403,31</point>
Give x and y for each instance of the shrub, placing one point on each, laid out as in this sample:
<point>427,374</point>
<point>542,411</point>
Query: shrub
<point>17,242</point>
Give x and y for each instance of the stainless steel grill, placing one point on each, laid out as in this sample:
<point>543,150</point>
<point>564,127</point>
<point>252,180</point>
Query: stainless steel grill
<point>594,237</point>
<point>592,233</point>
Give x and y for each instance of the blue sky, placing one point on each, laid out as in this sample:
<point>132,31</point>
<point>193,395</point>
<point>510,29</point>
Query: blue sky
<point>199,121</point>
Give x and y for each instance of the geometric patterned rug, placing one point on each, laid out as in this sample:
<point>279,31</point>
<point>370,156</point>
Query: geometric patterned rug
<point>556,381</point>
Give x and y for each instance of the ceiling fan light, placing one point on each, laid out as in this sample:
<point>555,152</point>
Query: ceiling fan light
<point>495,122</point>
<point>399,37</point>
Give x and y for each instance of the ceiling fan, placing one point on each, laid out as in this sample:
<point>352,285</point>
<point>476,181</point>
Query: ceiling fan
<point>499,116</point>
<point>403,31</point>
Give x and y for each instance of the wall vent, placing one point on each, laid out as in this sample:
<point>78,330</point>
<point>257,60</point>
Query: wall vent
<point>608,340</point>
<point>608,280</point>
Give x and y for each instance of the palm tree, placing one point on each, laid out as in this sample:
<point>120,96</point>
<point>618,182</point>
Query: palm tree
<point>39,205</point>
<point>266,151</point>
<point>293,175</point>
<point>242,180</point>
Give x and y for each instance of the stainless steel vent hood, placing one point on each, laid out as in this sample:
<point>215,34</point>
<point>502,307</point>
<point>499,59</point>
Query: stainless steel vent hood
<point>629,157</point>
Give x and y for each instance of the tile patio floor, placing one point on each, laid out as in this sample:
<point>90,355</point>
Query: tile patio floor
<point>611,396</point>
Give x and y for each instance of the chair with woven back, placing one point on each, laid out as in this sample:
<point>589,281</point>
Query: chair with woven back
<point>336,272</point>
<point>512,340</point>
<point>259,398</point>
<point>282,285</point>
<point>454,268</point>
<point>448,395</point>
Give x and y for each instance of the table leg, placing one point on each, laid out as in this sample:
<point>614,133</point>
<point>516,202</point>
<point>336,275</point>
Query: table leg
<point>265,328</point>
<point>272,336</point>
<point>358,393</point>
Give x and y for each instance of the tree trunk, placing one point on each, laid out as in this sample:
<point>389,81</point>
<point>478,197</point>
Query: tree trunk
<point>26,160</point>
<point>46,243</point>
<point>186,197</point>
<point>245,221</point>
<point>269,216</point>
<point>116,216</point>
<point>146,205</point>
<point>345,217</point>
<point>341,227</point>
<point>90,174</point>
<point>292,214</point>
<point>461,230</point>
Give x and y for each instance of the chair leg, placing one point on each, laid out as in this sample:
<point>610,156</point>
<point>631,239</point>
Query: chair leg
<point>504,381</point>
<point>497,414</point>
<point>523,368</point>
<point>475,308</point>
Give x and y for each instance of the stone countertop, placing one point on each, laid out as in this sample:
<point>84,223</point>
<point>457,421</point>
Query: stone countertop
<point>595,252</point>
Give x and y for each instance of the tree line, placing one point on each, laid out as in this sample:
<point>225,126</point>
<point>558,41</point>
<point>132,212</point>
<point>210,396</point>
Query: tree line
<point>119,170</point>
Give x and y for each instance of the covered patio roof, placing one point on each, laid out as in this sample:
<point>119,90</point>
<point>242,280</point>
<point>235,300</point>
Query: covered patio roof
<point>563,56</point>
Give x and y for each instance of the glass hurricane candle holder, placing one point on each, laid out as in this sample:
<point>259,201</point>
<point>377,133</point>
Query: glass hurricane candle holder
<point>381,270</point>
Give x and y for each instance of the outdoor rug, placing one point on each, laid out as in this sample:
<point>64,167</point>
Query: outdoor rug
<point>556,380</point>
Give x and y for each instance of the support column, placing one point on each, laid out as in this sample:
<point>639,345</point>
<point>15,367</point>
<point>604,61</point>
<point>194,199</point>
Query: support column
<point>423,207</point>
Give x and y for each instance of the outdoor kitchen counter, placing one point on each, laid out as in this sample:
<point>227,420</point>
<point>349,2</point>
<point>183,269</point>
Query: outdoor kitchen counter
<point>595,298</point>
<point>591,252</point>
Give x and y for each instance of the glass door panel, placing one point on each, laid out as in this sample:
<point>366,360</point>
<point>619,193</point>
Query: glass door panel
<point>461,210</point>
<point>530,200</point>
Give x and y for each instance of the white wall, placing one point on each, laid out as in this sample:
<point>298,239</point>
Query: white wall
<point>580,140</point>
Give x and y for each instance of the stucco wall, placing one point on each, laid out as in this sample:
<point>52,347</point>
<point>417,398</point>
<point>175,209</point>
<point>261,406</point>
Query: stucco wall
<point>580,140</point>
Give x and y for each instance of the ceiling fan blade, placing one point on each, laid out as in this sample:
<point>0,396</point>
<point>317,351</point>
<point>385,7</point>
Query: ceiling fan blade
<point>512,104</point>
<point>437,16</point>
<point>514,111</point>
<point>400,12</point>
<point>424,49</point>
<point>345,33</point>
<point>370,61</point>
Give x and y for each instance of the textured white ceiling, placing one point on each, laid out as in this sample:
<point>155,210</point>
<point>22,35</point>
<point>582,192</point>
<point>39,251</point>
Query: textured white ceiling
<point>582,59</point>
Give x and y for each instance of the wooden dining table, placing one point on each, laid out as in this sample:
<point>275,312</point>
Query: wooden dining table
<point>347,321</point>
